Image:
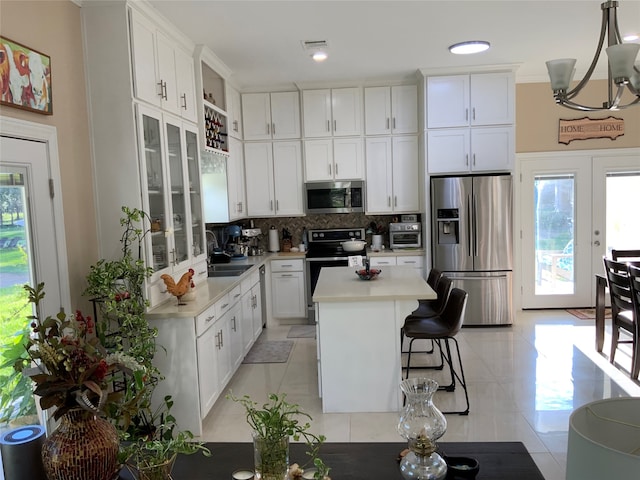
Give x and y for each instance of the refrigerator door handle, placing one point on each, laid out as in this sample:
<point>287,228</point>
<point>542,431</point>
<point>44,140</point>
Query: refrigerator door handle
<point>470,232</point>
<point>475,226</point>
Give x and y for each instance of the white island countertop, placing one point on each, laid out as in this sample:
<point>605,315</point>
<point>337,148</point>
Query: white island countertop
<point>341,284</point>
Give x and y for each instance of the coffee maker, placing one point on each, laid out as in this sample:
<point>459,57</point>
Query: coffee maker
<point>251,238</point>
<point>232,241</point>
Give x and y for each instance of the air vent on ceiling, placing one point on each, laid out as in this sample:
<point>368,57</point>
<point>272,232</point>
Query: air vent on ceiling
<point>314,44</point>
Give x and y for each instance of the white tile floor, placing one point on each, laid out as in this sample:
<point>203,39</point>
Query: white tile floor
<point>524,381</point>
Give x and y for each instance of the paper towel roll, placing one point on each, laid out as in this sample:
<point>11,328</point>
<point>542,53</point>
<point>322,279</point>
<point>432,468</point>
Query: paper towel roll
<point>274,242</point>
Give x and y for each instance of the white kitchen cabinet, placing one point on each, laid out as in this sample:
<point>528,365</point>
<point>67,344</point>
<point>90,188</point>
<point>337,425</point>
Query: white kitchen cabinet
<point>470,100</point>
<point>288,289</point>
<point>378,261</point>
<point>163,73</point>
<point>391,110</point>
<point>415,261</point>
<point>251,310</point>
<point>332,112</point>
<point>169,156</point>
<point>236,344</point>
<point>234,112</point>
<point>206,348</point>
<point>236,181</point>
<point>270,116</point>
<point>334,159</point>
<point>273,179</point>
<point>461,150</point>
<point>144,156</point>
<point>392,174</point>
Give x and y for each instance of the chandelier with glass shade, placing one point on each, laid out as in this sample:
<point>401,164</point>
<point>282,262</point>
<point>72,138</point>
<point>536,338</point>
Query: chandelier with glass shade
<point>622,75</point>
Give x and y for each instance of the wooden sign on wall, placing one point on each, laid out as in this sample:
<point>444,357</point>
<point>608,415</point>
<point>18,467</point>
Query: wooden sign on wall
<point>586,128</point>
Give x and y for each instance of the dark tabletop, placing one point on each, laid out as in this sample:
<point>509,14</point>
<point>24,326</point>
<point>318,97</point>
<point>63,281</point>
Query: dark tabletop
<point>362,461</point>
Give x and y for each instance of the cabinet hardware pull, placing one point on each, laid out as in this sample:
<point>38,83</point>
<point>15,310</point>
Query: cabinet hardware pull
<point>336,169</point>
<point>329,169</point>
<point>236,295</point>
<point>234,323</point>
<point>161,89</point>
<point>474,113</point>
<point>184,100</point>
<point>221,339</point>
<point>277,205</point>
<point>388,201</point>
<point>409,261</point>
<point>466,159</point>
<point>286,275</point>
<point>288,265</point>
<point>240,207</point>
<point>273,128</point>
<point>395,200</point>
<point>225,305</point>
<point>173,253</point>
<point>218,340</point>
<point>202,272</point>
<point>387,123</point>
<point>328,126</point>
<point>394,123</point>
<point>335,125</point>
<point>466,114</point>
<point>235,125</point>
<point>474,159</point>
<point>208,319</point>
<point>269,128</point>
<point>271,205</point>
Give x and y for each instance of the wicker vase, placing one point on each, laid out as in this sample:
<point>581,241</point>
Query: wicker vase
<point>83,447</point>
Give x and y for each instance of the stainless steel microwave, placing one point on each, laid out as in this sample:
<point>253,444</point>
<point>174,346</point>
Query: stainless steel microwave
<point>334,197</point>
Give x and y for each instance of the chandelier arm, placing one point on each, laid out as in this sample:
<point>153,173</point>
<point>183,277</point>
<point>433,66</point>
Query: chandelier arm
<point>614,104</point>
<point>603,30</point>
<point>585,108</point>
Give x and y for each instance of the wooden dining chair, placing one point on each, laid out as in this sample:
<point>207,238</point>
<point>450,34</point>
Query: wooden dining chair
<point>634,283</point>
<point>622,313</point>
<point>632,256</point>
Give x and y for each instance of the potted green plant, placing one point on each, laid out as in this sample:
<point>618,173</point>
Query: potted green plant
<point>151,457</point>
<point>272,426</point>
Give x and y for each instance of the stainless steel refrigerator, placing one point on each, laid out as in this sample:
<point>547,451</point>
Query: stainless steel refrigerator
<point>472,242</point>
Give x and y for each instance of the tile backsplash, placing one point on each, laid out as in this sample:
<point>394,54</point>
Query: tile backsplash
<point>296,225</point>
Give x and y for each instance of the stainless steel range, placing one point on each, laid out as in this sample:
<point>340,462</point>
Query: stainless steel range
<point>325,250</point>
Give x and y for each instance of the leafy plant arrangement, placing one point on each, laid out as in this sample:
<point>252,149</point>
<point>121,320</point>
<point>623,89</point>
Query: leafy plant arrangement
<point>152,456</point>
<point>73,369</point>
<point>117,288</point>
<point>273,422</point>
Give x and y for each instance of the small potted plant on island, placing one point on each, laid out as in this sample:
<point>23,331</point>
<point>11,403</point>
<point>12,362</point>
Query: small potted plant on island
<point>272,427</point>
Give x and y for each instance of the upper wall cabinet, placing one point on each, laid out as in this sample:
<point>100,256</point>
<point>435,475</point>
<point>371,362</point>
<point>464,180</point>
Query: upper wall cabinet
<point>332,112</point>
<point>391,110</point>
<point>234,111</point>
<point>470,100</point>
<point>163,73</point>
<point>270,116</point>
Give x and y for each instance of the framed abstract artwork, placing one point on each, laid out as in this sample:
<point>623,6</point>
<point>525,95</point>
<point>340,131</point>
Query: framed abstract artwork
<point>25,78</point>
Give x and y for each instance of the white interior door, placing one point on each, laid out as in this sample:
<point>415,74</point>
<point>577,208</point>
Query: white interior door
<point>575,208</point>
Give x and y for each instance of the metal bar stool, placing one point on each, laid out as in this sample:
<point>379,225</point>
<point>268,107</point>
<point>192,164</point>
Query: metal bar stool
<point>442,329</point>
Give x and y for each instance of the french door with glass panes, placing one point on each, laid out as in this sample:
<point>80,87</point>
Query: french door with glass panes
<point>575,207</point>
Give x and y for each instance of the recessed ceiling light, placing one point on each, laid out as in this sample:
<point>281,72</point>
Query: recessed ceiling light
<point>319,56</point>
<point>465,48</point>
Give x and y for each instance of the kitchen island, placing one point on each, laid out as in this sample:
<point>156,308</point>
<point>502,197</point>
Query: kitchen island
<point>358,333</point>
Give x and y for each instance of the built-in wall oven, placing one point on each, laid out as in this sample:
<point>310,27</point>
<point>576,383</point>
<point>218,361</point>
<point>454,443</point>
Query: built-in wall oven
<point>325,251</point>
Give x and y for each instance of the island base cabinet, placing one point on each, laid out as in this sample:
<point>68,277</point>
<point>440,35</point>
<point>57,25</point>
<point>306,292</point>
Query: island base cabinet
<point>371,381</point>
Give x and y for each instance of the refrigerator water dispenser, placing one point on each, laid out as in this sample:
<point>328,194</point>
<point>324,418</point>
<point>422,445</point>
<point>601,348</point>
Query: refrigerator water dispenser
<point>448,226</point>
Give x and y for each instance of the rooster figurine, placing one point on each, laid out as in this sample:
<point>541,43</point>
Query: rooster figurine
<point>179,289</point>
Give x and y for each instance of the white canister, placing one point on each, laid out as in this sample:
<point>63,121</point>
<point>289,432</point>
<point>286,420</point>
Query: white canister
<point>376,242</point>
<point>274,241</point>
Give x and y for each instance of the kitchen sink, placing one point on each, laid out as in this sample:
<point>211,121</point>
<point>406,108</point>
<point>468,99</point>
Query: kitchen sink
<point>227,270</point>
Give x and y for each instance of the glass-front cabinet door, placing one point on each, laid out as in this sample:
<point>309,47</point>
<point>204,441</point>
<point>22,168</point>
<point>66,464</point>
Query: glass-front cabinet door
<point>198,236</point>
<point>157,205</point>
<point>180,251</point>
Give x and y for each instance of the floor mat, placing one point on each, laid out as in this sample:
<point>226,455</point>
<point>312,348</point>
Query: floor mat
<point>269,351</point>
<point>587,313</point>
<point>302,331</point>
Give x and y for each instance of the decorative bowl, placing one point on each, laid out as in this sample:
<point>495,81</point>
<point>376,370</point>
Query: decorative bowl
<point>461,467</point>
<point>353,245</point>
<point>370,275</point>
